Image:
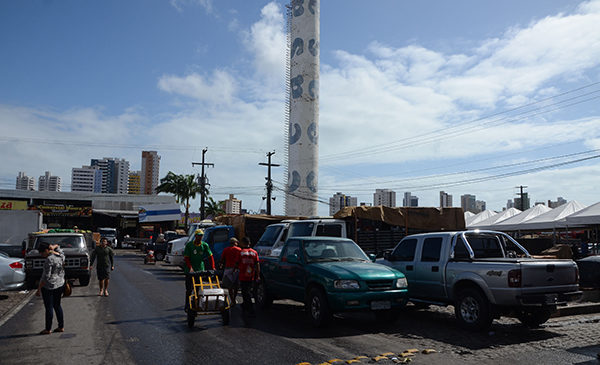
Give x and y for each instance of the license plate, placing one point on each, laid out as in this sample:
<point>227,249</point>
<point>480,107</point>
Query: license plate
<point>380,305</point>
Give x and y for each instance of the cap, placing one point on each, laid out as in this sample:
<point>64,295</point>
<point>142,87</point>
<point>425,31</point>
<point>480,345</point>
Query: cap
<point>199,232</point>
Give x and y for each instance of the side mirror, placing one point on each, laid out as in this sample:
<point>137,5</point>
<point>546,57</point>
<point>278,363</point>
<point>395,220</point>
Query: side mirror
<point>387,255</point>
<point>372,257</point>
<point>293,259</point>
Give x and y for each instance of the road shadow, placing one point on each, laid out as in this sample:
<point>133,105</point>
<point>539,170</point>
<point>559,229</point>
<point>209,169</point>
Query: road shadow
<point>413,323</point>
<point>591,351</point>
<point>24,335</point>
<point>2,297</point>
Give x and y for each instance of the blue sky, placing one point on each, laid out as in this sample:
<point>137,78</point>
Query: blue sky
<point>407,91</point>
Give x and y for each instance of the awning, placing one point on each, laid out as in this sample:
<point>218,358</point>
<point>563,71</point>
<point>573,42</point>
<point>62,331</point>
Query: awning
<point>126,214</point>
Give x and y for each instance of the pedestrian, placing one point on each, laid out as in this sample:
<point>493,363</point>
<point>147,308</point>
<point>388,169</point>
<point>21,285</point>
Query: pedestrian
<point>52,285</point>
<point>106,264</point>
<point>249,272</point>
<point>194,255</point>
<point>229,262</point>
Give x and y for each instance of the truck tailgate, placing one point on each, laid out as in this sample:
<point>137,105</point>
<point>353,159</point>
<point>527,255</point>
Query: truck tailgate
<point>548,273</point>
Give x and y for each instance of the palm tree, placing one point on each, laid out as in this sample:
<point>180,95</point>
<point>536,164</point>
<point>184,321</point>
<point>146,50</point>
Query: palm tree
<point>183,187</point>
<point>213,208</point>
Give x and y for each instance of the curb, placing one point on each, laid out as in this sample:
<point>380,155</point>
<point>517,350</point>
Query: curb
<point>16,308</point>
<point>578,309</point>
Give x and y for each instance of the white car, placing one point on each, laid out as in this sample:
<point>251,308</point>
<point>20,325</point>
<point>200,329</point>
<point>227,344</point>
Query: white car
<point>12,272</point>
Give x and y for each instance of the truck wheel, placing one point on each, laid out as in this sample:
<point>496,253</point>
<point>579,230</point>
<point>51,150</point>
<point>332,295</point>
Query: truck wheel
<point>472,310</point>
<point>318,309</point>
<point>262,297</point>
<point>534,317</point>
<point>84,281</point>
<point>191,318</point>
<point>160,256</point>
<point>225,316</point>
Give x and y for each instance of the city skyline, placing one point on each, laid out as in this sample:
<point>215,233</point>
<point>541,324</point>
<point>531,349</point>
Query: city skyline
<point>470,97</point>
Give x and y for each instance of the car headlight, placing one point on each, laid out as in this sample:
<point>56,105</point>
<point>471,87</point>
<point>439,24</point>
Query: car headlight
<point>346,284</point>
<point>401,283</point>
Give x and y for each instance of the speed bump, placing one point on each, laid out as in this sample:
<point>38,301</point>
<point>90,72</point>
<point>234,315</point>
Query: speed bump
<point>428,351</point>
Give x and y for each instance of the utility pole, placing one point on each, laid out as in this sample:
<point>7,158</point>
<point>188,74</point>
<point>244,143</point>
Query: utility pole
<point>521,195</point>
<point>203,183</point>
<point>269,181</point>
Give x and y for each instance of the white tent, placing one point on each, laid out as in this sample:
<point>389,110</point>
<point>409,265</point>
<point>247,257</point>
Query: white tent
<point>514,223</point>
<point>468,215</point>
<point>502,216</point>
<point>554,218</point>
<point>587,216</point>
<point>481,216</point>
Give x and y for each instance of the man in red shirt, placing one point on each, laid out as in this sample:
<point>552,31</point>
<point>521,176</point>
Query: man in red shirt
<point>229,264</point>
<point>249,272</point>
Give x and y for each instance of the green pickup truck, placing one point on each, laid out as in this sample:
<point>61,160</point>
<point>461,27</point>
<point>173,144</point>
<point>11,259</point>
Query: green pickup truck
<point>331,275</point>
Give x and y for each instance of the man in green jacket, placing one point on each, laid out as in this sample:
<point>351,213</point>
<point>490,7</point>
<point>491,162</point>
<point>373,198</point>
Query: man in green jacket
<point>105,265</point>
<point>194,256</point>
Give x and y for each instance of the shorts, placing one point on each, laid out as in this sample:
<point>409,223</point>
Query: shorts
<point>230,277</point>
<point>103,272</point>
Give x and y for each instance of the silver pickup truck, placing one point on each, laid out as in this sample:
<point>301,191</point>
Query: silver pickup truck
<point>485,275</point>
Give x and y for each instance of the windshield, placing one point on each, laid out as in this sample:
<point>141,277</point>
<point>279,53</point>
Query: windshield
<point>268,238</point>
<point>300,229</point>
<point>63,241</point>
<point>491,245</point>
<point>330,250</point>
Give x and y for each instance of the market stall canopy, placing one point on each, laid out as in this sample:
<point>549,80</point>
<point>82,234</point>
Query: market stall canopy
<point>481,216</point>
<point>468,215</point>
<point>502,216</point>
<point>552,219</point>
<point>431,219</point>
<point>587,216</point>
<point>514,223</point>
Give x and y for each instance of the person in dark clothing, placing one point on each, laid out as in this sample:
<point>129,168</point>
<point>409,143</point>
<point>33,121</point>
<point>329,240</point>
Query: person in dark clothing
<point>249,271</point>
<point>105,265</point>
<point>52,285</point>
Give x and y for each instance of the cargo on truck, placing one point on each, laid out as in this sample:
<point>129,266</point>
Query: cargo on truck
<point>15,225</point>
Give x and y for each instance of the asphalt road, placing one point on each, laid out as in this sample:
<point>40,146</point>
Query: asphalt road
<point>143,322</point>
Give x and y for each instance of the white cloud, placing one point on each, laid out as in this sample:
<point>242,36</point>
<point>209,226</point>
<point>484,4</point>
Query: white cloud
<point>220,88</point>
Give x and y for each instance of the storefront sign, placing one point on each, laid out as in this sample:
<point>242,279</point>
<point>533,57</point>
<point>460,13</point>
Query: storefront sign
<point>159,213</point>
<point>65,210</point>
<point>13,205</point>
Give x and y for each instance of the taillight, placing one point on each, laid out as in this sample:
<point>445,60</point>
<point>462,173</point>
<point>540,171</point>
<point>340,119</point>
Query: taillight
<point>16,265</point>
<point>514,278</point>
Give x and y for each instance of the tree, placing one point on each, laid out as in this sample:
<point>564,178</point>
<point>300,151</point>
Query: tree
<point>183,187</point>
<point>213,208</point>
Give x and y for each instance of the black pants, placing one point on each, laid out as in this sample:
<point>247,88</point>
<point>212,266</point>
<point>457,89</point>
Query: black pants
<point>188,290</point>
<point>247,286</point>
<point>51,299</point>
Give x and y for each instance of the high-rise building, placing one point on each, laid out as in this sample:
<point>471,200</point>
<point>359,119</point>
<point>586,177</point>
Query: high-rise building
<point>559,201</point>
<point>232,205</point>
<point>479,206</point>
<point>115,174</point>
<point>467,203</point>
<point>339,201</point>
<point>410,200</point>
<point>47,182</point>
<point>526,204</point>
<point>384,197</point>
<point>510,204</point>
<point>135,185</point>
<point>25,182</point>
<point>150,172</point>
<point>86,179</point>
<point>445,200</point>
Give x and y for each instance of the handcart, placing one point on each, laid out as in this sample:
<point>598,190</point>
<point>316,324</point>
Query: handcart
<point>207,298</point>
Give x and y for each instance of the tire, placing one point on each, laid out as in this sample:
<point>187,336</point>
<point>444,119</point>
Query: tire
<point>160,256</point>
<point>191,318</point>
<point>533,318</point>
<point>84,281</point>
<point>318,308</point>
<point>261,295</point>
<point>472,310</point>
<point>225,316</point>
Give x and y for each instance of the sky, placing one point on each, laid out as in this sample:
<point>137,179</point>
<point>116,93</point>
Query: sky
<point>469,97</point>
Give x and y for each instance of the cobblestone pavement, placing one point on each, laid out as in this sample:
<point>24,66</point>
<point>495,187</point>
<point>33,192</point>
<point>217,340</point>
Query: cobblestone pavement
<point>10,299</point>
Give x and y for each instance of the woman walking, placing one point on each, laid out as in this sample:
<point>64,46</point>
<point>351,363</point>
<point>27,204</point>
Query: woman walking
<point>52,285</point>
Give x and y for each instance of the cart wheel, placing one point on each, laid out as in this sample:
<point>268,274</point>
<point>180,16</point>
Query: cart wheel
<point>225,315</point>
<point>145,261</point>
<point>191,318</point>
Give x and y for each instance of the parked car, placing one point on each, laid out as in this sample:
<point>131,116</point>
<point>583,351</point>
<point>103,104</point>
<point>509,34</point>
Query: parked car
<point>484,275</point>
<point>12,272</point>
<point>331,275</point>
<point>110,234</point>
<point>77,258</point>
<point>13,250</point>
<point>217,238</point>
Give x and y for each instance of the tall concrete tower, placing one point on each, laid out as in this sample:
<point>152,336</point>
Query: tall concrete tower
<point>303,146</point>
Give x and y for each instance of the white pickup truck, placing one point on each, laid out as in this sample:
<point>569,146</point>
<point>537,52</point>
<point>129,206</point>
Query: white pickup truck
<point>485,275</point>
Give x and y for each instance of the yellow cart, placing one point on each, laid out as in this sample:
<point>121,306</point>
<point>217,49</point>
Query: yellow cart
<point>207,298</point>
